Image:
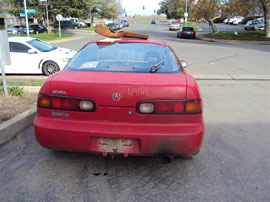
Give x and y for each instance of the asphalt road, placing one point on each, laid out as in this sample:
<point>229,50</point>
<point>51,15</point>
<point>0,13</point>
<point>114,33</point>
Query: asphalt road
<point>233,164</point>
<point>220,27</point>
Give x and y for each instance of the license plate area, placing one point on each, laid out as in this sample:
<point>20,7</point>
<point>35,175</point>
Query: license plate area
<point>189,32</point>
<point>114,145</point>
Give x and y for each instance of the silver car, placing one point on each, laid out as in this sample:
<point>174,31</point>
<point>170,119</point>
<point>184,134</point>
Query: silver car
<point>257,24</point>
<point>15,29</point>
<point>249,25</point>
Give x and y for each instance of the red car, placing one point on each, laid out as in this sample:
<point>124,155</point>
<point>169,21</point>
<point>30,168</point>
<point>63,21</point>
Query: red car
<point>122,97</point>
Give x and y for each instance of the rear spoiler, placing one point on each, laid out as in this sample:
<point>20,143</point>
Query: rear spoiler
<point>107,32</point>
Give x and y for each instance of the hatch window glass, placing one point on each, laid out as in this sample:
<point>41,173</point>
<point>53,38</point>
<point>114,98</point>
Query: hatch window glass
<point>125,57</point>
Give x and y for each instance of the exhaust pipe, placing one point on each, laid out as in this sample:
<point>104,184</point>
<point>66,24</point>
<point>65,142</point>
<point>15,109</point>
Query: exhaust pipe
<point>166,159</point>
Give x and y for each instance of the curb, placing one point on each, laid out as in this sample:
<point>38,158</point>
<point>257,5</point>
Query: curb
<point>31,89</point>
<point>79,31</point>
<point>203,38</point>
<point>12,127</point>
<point>233,77</point>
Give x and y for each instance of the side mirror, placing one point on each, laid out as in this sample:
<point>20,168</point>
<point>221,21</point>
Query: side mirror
<point>184,64</point>
<point>31,51</point>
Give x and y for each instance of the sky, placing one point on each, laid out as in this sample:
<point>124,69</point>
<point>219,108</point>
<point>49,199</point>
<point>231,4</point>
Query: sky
<point>135,7</point>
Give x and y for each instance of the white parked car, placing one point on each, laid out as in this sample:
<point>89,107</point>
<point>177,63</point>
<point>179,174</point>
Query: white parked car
<point>82,23</point>
<point>239,19</point>
<point>33,56</point>
<point>174,26</point>
<point>226,20</point>
<point>231,20</point>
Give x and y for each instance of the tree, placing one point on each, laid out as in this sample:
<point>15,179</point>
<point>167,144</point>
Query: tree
<point>240,7</point>
<point>91,8</point>
<point>173,8</point>
<point>245,7</point>
<point>110,8</point>
<point>73,8</point>
<point>266,11</point>
<point>207,9</point>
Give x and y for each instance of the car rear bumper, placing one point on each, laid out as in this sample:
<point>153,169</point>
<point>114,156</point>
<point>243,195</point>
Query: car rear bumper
<point>188,35</point>
<point>148,139</point>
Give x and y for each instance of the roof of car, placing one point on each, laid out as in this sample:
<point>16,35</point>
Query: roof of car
<point>20,39</point>
<point>128,40</point>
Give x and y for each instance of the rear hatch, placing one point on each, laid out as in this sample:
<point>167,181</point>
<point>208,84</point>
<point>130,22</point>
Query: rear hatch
<point>116,94</point>
<point>120,89</point>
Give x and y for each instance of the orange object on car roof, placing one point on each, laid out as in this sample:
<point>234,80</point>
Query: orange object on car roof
<point>107,32</point>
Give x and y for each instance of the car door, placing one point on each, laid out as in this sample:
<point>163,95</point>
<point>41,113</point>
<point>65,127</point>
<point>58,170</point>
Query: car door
<point>22,62</point>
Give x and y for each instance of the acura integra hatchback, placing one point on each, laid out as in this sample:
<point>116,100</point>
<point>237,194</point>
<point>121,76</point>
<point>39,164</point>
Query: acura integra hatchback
<point>122,97</point>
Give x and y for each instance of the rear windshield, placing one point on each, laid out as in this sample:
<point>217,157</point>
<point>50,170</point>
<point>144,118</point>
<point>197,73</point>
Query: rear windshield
<point>188,29</point>
<point>125,57</point>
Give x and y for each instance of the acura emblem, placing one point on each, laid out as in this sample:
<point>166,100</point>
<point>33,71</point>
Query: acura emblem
<point>116,97</point>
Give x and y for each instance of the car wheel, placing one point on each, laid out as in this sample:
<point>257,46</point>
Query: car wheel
<point>75,27</point>
<point>50,67</point>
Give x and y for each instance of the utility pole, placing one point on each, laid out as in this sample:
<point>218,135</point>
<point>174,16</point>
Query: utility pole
<point>26,18</point>
<point>186,14</point>
<point>47,13</point>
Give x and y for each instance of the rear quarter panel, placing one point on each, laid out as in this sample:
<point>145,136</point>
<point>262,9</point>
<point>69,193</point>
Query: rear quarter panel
<point>193,91</point>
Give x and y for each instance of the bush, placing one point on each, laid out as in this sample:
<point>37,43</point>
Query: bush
<point>2,27</point>
<point>13,91</point>
<point>16,91</point>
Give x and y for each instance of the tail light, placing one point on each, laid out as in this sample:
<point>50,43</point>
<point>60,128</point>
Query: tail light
<point>169,107</point>
<point>66,103</point>
<point>183,32</point>
<point>193,32</point>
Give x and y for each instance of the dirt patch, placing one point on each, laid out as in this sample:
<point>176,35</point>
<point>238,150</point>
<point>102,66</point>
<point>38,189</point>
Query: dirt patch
<point>11,106</point>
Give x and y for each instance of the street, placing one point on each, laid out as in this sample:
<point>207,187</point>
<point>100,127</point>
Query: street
<point>233,164</point>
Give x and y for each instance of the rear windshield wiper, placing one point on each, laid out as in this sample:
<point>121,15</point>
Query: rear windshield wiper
<point>156,67</point>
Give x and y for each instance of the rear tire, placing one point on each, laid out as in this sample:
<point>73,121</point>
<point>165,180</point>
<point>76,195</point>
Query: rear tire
<point>50,68</point>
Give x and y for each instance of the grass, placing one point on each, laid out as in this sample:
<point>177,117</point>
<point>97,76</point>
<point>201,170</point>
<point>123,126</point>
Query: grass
<point>195,27</point>
<point>88,28</point>
<point>239,35</point>
<point>23,82</point>
<point>45,36</point>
